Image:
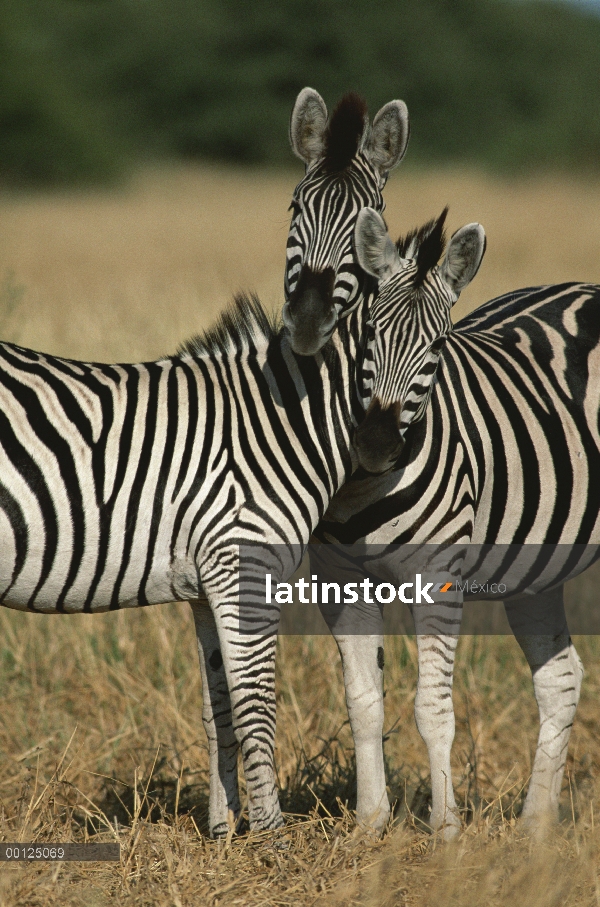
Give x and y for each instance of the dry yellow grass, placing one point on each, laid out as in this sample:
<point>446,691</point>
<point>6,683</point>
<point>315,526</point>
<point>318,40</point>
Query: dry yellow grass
<point>101,721</point>
<point>100,728</point>
<point>127,276</point>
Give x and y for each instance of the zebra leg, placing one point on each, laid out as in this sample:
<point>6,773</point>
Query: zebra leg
<point>557,674</point>
<point>247,632</point>
<point>362,664</point>
<point>434,709</point>
<point>249,661</point>
<point>224,798</point>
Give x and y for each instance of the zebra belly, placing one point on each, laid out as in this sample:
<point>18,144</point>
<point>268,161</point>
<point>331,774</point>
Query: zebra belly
<point>32,579</point>
<point>50,601</point>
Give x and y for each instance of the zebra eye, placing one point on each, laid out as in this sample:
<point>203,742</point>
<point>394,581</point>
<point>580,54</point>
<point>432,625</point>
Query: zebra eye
<point>294,207</point>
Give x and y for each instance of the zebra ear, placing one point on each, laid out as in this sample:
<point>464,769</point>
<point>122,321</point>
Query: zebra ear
<point>376,253</point>
<point>307,126</point>
<point>389,137</point>
<point>463,257</point>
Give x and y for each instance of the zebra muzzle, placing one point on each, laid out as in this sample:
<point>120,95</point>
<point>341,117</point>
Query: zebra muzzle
<point>377,440</point>
<point>310,315</point>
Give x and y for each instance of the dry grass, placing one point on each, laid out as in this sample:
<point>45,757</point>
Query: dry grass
<point>127,277</point>
<point>100,730</point>
<point>107,743</point>
<point>99,273</point>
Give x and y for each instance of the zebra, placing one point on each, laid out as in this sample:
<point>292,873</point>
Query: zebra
<point>538,346</point>
<point>347,165</point>
<point>131,485</point>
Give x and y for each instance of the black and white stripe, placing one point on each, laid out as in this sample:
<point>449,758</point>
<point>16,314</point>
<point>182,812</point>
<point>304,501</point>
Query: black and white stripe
<point>131,485</point>
<point>507,454</point>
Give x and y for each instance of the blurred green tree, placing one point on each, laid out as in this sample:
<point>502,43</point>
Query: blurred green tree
<point>50,132</point>
<point>89,86</point>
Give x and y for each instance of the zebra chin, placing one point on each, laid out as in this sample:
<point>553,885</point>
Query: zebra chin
<point>310,315</point>
<point>377,440</point>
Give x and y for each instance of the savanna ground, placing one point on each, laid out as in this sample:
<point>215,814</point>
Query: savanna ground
<point>100,729</point>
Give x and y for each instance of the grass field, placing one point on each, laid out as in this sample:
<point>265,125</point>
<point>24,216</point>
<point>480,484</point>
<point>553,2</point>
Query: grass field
<point>100,728</point>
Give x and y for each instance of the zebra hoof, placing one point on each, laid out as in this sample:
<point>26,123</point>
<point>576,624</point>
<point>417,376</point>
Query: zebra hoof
<point>447,828</point>
<point>374,822</point>
<point>236,825</point>
<point>220,831</point>
<point>450,832</point>
<point>282,842</point>
<point>538,825</point>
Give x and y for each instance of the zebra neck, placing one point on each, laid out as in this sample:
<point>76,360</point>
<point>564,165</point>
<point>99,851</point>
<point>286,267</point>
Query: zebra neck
<point>364,336</point>
<point>320,396</point>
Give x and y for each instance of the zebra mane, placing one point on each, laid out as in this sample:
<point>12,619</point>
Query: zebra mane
<point>344,132</point>
<point>425,244</point>
<point>244,326</point>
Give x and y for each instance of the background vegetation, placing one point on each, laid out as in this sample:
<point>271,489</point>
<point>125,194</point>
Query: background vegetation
<point>108,743</point>
<point>88,87</point>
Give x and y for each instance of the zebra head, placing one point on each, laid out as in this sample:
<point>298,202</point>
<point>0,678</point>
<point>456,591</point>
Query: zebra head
<point>409,321</point>
<point>347,165</point>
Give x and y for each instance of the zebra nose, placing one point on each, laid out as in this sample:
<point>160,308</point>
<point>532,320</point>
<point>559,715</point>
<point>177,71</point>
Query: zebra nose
<point>310,315</point>
<point>377,440</point>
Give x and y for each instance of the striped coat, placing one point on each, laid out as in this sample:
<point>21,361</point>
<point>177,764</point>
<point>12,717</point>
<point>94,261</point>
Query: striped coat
<point>506,453</point>
<point>192,477</point>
